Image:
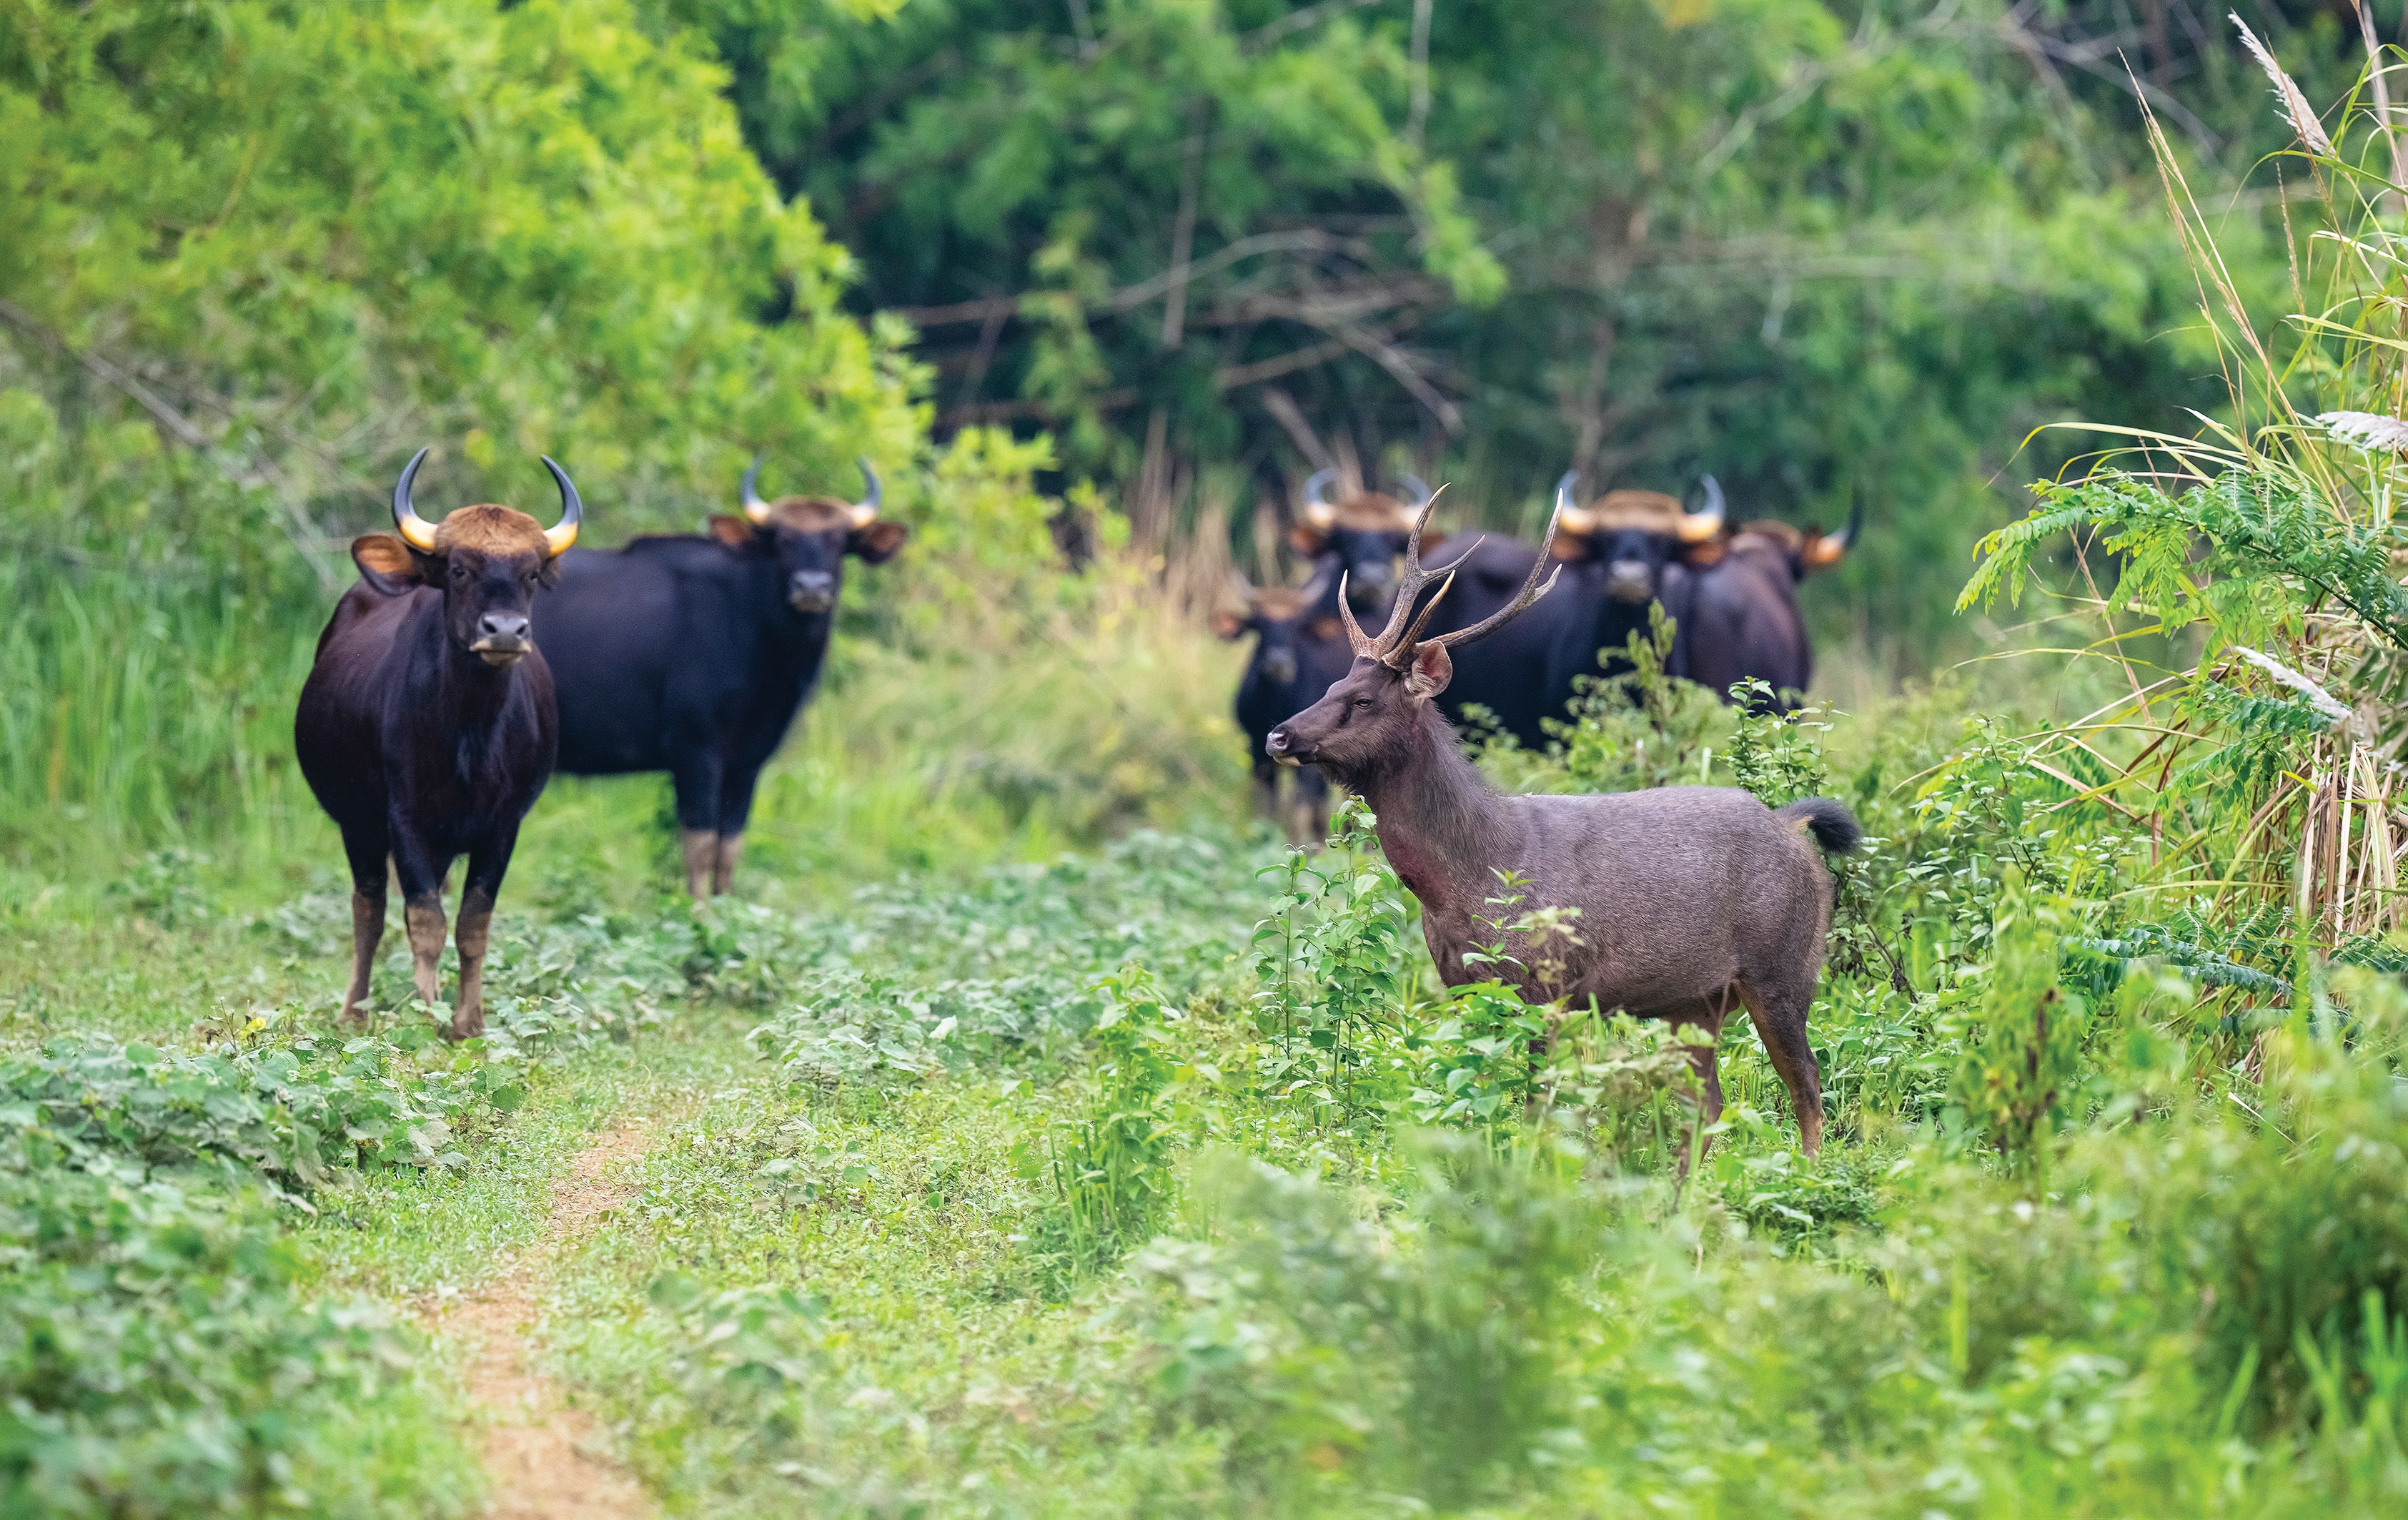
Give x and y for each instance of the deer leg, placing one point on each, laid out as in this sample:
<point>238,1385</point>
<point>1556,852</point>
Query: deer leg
<point>1780,1018</point>
<point>368,858</point>
<point>1705,1060</point>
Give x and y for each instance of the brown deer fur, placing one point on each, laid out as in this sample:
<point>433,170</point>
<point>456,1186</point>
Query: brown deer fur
<point>1691,900</point>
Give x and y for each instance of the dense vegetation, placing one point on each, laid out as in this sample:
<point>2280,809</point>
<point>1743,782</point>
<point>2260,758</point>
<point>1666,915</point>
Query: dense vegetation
<point>1035,1138</point>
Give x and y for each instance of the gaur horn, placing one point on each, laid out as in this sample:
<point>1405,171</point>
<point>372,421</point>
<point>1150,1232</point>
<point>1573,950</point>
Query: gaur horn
<point>1413,483</point>
<point>1823,550</point>
<point>1244,587</point>
<point>1318,508</point>
<point>557,537</point>
<point>1579,522</point>
<point>755,508</point>
<point>1698,527</point>
<point>866,508</point>
<point>415,530</point>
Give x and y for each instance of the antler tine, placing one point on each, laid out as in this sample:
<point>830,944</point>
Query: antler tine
<point>1401,654</point>
<point>1411,586</point>
<point>1531,590</point>
<point>1353,629</point>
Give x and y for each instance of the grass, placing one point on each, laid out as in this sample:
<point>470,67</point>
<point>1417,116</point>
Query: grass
<point>999,1164</point>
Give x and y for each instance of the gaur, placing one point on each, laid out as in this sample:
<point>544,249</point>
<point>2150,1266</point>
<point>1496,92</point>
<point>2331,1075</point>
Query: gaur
<point>1619,555</point>
<point>692,654</point>
<point>1357,539</point>
<point>1690,900</point>
<point>1300,648</point>
<point>1741,620</point>
<point>428,726</point>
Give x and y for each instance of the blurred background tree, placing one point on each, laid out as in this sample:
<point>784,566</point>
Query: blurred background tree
<point>1837,254</point>
<point>1163,256</point>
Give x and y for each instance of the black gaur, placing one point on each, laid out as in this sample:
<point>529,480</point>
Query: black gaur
<point>1742,622</point>
<point>1300,648</point>
<point>428,726</point>
<point>692,654</point>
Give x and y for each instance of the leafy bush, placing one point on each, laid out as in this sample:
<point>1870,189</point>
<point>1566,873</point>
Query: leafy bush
<point>159,1357</point>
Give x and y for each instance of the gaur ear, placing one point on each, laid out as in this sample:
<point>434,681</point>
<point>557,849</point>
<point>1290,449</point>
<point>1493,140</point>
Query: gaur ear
<point>1431,538</point>
<point>388,564</point>
<point>734,532</point>
<point>1328,628</point>
<point>1699,556</point>
<point>875,541</point>
<point>1228,625</point>
<point>1307,539</point>
<point>1431,670</point>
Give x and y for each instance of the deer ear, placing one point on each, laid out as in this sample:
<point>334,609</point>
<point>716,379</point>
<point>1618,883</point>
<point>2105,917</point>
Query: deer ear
<point>734,532</point>
<point>1228,625</point>
<point>387,564</point>
<point>1431,670</point>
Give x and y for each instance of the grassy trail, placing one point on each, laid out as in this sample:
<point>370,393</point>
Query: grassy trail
<point>539,1455</point>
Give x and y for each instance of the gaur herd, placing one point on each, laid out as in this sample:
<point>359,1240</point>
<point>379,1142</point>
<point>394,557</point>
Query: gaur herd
<point>479,654</point>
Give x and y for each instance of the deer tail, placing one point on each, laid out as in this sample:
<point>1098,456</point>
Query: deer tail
<point>1833,826</point>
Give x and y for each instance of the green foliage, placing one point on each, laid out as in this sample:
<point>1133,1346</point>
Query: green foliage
<point>1342,1354</point>
<point>1109,1160</point>
<point>159,1356</point>
<point>1644,726</point>
<point>2020,1076</point>
<point>1332,969</point>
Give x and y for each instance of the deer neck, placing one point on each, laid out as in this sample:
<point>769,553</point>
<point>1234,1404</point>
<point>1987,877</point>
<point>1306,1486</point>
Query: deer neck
<point>1442,827</point>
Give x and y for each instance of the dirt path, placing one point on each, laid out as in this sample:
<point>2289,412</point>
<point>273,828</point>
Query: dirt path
<point>539,1451</point>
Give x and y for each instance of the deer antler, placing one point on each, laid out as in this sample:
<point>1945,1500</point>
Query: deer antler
<point>1531,590</point>
<point>1410,587</point>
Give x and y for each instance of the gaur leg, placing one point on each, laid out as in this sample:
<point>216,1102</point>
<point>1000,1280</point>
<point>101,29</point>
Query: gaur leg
<point>1308,809</point>
<point>365,849</point>
<point>734,810</point>
<point>420,872</point>
<point>486,864</point>
<point>1780,1015</point>
<point>697,777</point>
<point>1266,791</point>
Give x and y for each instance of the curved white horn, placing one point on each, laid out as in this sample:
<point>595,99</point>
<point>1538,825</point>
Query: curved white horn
<point>558,537</point>
<point>1841,540</point>
<point>415,530</point>
<point>1414,482</point>
<point>755,508</point>
<point>866,508</point>
<point>1696,527</point>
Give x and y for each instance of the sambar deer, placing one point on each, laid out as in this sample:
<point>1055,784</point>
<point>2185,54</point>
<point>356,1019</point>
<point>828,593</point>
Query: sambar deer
<point>1691,899</point>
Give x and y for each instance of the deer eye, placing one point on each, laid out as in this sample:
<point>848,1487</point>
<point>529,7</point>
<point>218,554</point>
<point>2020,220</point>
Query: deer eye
<point>1362,701</point>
